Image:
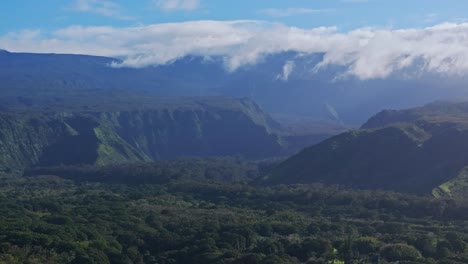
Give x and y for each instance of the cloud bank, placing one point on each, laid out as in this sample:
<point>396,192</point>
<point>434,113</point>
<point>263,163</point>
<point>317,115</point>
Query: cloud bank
<point>367,53</point>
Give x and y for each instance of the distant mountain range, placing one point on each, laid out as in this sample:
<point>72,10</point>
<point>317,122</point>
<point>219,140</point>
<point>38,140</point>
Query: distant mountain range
<point>420,150</point>
<point>284,84</point>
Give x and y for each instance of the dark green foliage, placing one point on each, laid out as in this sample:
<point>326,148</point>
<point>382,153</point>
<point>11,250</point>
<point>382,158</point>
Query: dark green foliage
<point>153,129</point>
<point>46,219</point>
<point>399,252</point>
<point>421,150</point>
<point>221,169</point>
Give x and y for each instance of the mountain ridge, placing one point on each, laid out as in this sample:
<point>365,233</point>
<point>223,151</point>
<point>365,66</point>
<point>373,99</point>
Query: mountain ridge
<point>305,92</point>
<point>420,150</point>
<point>199,127</point>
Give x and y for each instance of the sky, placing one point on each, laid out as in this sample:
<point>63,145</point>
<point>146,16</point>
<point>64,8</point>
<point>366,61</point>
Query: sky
<point>373,38</point>
<point>344,14</point>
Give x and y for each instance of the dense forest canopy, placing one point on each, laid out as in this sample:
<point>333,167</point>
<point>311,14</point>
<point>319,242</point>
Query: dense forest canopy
<point>213,211</point>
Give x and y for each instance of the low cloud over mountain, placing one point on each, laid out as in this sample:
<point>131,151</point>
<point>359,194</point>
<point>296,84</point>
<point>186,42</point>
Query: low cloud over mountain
<point>366,53</point>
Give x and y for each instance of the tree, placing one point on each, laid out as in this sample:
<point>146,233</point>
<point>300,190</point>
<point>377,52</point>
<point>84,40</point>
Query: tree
<point>399,252</point>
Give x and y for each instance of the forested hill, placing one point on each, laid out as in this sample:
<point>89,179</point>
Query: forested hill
<point>421,150</point>
<point>143,132</point>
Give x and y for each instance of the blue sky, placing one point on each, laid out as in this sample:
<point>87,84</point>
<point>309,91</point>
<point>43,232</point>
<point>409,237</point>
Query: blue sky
<point>345,14</point>
<point>371,38</point>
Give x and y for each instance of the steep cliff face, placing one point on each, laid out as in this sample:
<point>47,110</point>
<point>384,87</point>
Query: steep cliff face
<point>24,138</point>
<point>235,127</point>
<point>91,141</point>
<point>165,134</point>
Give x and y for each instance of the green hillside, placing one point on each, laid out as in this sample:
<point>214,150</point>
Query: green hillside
<point>421,150</point>
<point>167,129</point>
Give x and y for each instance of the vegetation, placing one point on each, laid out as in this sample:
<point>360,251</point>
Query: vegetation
<point>420,150</point>
<point>205,211</point>
<point>196,127</point>
<point>216,169</point>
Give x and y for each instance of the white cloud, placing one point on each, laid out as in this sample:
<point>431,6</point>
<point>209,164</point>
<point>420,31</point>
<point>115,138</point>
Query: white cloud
<point>367,53</point>
<point>273,12</point>
<point>101,7</point>
<point>173,5</point>
<point>288,68</point>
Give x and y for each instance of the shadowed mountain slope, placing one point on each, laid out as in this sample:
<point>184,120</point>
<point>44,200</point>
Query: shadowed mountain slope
<point>420,150</point>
